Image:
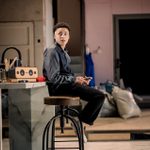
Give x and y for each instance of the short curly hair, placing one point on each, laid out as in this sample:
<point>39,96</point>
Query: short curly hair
<point>61,25</point>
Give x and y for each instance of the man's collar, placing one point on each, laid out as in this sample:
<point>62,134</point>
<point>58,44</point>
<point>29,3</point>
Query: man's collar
<point>61,48</point>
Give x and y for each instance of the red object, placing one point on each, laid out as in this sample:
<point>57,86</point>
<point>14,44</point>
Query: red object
<point>40,79</point>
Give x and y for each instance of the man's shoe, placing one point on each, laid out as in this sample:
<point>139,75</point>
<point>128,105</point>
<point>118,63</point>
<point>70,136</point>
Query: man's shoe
<point>84,136</point>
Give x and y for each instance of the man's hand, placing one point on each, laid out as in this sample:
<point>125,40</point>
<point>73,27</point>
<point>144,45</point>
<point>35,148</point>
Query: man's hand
<point>83,80</point>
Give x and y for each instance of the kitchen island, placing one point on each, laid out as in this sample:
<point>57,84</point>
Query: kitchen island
<point>27,114</point>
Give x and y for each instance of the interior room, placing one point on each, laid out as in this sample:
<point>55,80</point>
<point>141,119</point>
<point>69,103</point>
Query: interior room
<point>115,33</point>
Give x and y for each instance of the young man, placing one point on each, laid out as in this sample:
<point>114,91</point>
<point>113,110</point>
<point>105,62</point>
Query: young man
<point>61,80</point>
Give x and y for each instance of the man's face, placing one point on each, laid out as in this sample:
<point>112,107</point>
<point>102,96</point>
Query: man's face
<point>62,36</point>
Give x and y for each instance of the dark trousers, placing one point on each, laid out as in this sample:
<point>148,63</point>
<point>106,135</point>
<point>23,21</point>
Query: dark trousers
<point>93,97</point>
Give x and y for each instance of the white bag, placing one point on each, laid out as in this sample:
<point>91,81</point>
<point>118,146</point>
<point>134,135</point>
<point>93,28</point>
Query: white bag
<point>109,108</point>
<point>126,104</point>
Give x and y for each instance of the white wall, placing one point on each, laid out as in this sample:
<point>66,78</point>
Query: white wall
<point>99,30</point>
<point>47,24</point>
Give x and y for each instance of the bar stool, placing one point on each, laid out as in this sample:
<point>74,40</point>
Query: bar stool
<point>63,114</point>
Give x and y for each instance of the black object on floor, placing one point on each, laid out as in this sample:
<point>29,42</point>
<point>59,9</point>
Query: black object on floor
<point>140,136</point>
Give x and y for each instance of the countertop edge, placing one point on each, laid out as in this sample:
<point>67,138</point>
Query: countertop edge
<point>28,85</point>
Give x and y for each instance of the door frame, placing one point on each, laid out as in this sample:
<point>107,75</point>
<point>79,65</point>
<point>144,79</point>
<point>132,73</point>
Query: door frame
<point>145,103</point>
<point>116,19</point>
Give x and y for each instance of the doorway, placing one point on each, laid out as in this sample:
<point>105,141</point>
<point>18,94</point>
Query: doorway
<point>132,34</point>
<point>72,12</point>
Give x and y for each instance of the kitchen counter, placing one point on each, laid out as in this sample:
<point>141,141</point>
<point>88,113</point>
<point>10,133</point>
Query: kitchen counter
<point>27,114</point>
<point>8,85</point>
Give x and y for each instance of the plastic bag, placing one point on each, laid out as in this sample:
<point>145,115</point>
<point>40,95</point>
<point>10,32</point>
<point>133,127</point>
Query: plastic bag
<point>125,102</point>
<point>109,108</point>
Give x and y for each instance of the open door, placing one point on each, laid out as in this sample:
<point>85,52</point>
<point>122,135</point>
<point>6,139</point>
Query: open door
<point>132,34</point>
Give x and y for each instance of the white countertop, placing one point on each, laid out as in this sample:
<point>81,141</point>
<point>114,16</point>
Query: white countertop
<point>8,85</point>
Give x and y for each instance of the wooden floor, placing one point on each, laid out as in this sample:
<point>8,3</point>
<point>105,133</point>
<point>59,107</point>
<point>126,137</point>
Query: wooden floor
<point>110,134</point>
<point>118,128</point>
<point>117,145</point>
<point>115,128</point>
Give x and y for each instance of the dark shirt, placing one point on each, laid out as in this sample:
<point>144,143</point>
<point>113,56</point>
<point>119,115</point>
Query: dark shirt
<point>56,67</point>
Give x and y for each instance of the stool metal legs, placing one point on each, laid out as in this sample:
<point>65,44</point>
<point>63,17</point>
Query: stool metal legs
<point>51,124</point>
<point>80,126</point>
<point>62,123</point>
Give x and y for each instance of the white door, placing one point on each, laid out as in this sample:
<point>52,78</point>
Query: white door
<point>20,36</point>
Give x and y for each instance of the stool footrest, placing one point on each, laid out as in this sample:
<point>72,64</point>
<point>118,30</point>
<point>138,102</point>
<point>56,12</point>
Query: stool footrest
<point>50,129</point>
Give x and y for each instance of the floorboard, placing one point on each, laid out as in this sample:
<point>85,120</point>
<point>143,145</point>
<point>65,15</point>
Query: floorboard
<point>116,145</point>
<point>116,128</point>
<point>112,133</point>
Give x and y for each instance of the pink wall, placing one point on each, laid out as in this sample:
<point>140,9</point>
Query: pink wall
<point>99,30</point>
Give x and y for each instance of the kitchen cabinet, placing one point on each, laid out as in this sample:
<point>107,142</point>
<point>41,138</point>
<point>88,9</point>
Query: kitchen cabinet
<point>27,114</point>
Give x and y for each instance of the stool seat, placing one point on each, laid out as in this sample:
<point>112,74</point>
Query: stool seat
<point>62,100</point>
<point>49,136</point>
